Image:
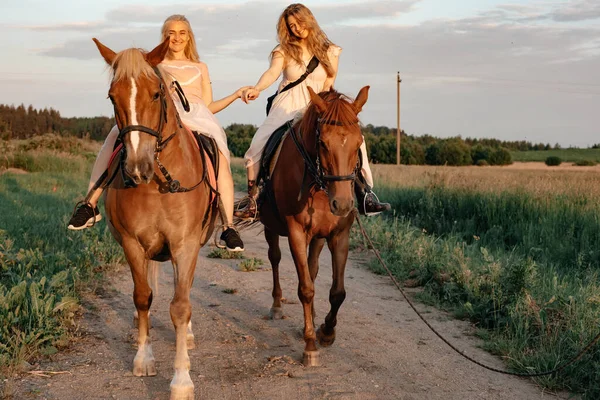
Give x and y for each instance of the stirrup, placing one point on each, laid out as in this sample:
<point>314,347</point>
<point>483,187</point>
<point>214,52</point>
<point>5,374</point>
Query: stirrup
<point>370,214</point>
<point>250,201</point>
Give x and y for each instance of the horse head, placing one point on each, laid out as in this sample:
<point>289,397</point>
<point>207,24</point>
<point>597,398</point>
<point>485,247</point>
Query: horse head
<point>338,139</point>
<point>138,94</point>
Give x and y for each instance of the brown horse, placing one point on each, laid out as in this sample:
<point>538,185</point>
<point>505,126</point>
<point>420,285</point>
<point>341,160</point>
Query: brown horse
<point>161,218</point>
<point>310,198</point>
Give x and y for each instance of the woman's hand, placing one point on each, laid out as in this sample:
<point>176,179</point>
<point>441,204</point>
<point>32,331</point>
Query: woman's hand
<point>239,94</point>
<point>250,94</point>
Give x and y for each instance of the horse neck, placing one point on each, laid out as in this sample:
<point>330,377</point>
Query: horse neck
<point>182,147</point>
<point>308,136</point>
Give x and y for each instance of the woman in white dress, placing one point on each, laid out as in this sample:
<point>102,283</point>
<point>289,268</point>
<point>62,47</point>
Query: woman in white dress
<point>300,38</point>
<point>183,65</point>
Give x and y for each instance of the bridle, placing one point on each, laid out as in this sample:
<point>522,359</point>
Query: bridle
<point>174,185</point>
<point>320,177</point>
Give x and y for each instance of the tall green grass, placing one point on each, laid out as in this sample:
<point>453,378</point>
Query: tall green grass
<point>524,268</point>
<point>44,267</point>
<point>561,231</point>
<point>531,314</point>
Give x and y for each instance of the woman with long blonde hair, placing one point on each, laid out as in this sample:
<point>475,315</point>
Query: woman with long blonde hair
<point>183,65</point>
<point>301,40</point>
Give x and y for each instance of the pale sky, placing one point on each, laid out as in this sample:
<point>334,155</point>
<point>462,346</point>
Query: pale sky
<point>511,70</point>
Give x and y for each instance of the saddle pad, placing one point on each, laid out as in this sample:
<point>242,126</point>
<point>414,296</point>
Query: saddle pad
<point>271,152</point>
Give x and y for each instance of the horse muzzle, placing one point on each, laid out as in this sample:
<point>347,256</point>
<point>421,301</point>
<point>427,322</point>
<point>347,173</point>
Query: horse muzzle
<point>140,172</point>
<point>341,207</point>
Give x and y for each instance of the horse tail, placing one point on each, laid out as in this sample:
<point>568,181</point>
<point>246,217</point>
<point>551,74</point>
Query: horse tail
<point>153,276</point>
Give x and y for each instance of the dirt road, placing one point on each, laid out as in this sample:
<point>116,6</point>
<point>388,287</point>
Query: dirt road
<point>382,350</point>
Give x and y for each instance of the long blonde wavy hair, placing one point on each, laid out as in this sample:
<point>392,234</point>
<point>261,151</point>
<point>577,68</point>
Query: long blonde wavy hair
<point>191,52</point>
<point>317,41</point>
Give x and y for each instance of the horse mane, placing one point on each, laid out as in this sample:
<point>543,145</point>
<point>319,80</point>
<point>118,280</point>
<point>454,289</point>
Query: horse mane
<point>131,63</point>
<point>340,110</point>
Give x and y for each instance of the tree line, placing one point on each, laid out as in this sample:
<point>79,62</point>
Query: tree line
<point>22,122</point>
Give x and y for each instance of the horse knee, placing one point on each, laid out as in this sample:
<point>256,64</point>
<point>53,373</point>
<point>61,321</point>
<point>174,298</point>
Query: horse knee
<point>181,312</point>
<point>274,256</point>
<point>337,297</point>
<point>306,294</point>
<point>142,299</point>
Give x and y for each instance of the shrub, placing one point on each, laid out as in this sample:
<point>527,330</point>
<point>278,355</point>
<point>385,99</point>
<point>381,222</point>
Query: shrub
<point>480,152</point>
<point>449,152</point>
<point>553,161</point>
<point>500,156</point>
<point>585,163</point>
<point>482,163</point>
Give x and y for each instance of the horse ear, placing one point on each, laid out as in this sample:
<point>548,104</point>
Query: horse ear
<point>107,54</point>
<point>361,99</point>
<point>157,55</point>
<point>317,100</point>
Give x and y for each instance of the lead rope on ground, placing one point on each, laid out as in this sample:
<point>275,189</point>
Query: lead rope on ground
<point>557,369</point>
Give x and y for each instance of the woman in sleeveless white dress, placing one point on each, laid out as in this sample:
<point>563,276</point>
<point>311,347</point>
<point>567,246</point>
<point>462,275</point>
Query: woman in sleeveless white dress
<point>181,65</point>
<point>300,37</point>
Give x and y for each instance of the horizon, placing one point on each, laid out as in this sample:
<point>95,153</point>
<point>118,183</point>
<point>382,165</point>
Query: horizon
<point>507,70</point>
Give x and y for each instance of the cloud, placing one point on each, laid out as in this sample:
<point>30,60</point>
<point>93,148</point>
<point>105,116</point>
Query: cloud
<point>581,10</point>
<point>84,26</point>
<point>512,72</point>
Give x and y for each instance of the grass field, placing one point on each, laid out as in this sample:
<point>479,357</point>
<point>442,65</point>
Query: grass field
<point>566,155</point>
<point>44,268</point>
<point>515,250</point>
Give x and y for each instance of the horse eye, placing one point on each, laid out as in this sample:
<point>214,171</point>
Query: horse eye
<point>156,96</point>
<point>112,99</point>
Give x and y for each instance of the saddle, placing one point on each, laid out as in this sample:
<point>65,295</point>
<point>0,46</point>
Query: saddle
<point>271,152</point>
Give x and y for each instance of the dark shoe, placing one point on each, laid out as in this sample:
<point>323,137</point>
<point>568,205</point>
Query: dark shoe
<point>84,217</point>
<point>249,212</point>
<point>230,239</point>
<point>371,205</point>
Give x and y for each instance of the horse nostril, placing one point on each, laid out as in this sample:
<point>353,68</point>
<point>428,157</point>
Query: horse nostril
<point>334,204</point>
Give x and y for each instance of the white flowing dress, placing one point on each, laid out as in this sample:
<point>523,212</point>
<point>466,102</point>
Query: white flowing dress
<point>199,118</point>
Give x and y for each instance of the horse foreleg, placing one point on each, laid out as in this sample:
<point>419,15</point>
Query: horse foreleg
<point>306,293</point>
<point>143,363</point>
<point>272,238</point>
<point>314,251</point>
<point>190,336</point>
<point>338,245</point>
<point>184,265</point>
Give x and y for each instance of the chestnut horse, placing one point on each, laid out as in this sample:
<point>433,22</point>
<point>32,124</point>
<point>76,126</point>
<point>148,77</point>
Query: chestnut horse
<point>309,198</point>
<point>160,218</point>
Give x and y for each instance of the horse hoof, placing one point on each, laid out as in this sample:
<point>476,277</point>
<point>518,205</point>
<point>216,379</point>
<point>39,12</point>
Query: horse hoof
<point>182,393</point>
<point>325,340</point>
<point>276,313</point>
<point>147,368</point>
<point>190,342</point>
<point>311,359</point>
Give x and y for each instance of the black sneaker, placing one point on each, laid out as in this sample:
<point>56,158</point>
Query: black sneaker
<point>372,205</point>
<point>84,217</point>
<point>230,239</point>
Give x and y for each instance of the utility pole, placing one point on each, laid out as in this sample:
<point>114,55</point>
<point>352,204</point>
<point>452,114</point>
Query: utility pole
<point>398,80</point>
